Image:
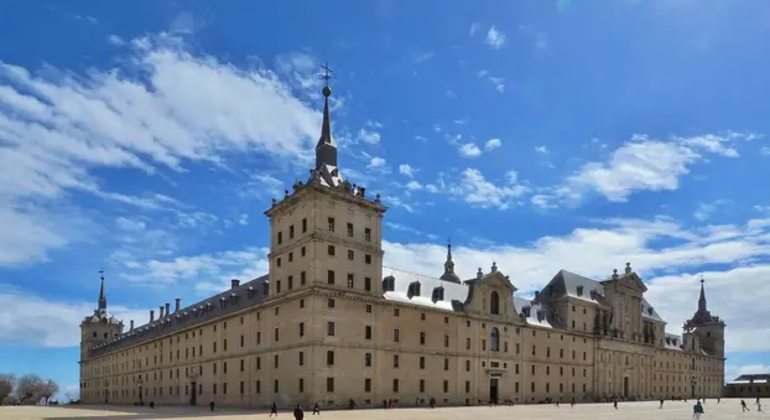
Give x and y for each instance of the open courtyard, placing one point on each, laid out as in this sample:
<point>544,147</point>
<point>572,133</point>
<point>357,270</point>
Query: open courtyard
<point>728,409</point>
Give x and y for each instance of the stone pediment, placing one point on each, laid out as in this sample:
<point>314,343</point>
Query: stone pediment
<point>631,281</point>
<point>497,280</point>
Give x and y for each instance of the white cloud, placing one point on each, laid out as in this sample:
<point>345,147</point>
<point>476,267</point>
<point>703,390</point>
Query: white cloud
<point>493,144</point>
<point>405,169</point>
<point>473,29</point>
<point>706,210</point>
<point>469,150</point>
<point>376,162</point>
<point>414,185</point>
<point>61,127</point>
<point>476,190</point>
<point>647,164</point>
<point>495,38</point>
<point>497,82</point>
<point>366,136</point>
<point>542,149</point>
<point>116,40</point>
<point>765,151</point>
<point>598,248</point>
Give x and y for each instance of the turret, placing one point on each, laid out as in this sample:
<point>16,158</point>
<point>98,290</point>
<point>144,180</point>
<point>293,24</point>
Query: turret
<point>709,328</point>
<point>449,267</point>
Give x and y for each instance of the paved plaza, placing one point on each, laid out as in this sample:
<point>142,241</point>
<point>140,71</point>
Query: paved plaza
<point>727,410</point>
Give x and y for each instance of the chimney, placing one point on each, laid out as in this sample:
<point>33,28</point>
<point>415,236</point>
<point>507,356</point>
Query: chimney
<point>168,309</point>
<point>479,274</point>
<point>235,283</point>
<point>615,274</point>
<point>152,316</point>
<point>178,304</point>
<point>628,268</point>
<point>494,267</point>
<point>160,311</point>
<point>132,325</point>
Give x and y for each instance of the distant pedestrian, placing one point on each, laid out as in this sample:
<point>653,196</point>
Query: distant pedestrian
<point>211,406</point>
<point>661,403</point>
<point>152,405</point>
<point>572,402</point>
<point>273,409</point>
<point>317,410</point>
<point>615,403</point>
<point>743,406</point>
<point>298,413</point>
<point>759,406</point>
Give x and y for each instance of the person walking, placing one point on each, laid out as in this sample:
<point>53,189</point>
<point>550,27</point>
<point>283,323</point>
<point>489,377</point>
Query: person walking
<point>298,413</point>
<point>697,410</point>
<point>743,406</point>
<point>615,403</point>
<point>759,406</point>
<point>211,406</point>
<point>572,402</point>
<point>273,409</point>
<point>316,409</point>
<point>661,403</point>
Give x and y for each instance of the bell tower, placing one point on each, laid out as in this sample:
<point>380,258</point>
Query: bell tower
<point>709,328</point>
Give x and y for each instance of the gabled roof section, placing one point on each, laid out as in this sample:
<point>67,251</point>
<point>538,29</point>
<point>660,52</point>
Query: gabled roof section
<point>568,284</point>
<point>402,280</point>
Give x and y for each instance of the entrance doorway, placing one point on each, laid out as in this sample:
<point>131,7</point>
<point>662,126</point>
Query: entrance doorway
<point>692,390</point>
<point>493,392</point>
<point>193,394</point>
<point>625,387</point>
<point>106,396</point>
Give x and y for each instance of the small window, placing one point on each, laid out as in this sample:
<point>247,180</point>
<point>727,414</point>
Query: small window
<point>330,277</point>
<point>351,254</point>
<point>330,303</point>
<point>351,282</point>
<point>368,284</point>
<point>304,226</point>
<point>331,224</point>
<point>303,251</point>
<point>280,238</point>
<point>368,258</point>
<point>331,249</point>
<point>330,328</point>
<point>302,278</point>
<point>368,235</point>
<point>330,357</point>
<point>329,384</point>
<point>350,229</point>
<point>396,335</point>
<point>278,261</point>
<point>291,231</point>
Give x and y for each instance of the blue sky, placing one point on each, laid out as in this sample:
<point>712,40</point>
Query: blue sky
<point>147,139</point>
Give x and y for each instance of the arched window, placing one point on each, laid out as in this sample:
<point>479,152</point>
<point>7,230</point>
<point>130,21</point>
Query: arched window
<point>495,340</point>
<point>494,303</point>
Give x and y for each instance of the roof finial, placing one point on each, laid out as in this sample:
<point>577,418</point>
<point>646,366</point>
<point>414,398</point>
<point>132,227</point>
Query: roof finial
<point>702,297</point>
<point>326,77</point>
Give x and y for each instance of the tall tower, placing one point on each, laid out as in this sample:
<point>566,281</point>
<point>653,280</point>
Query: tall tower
<point>99,327</point>
<point>325,244</point>
<point>710,329</point>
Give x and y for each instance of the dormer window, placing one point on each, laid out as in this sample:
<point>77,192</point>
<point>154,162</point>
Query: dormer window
<point>438,294</point>
<point>414,289</point>
<point>580,290</point>
<point>649,310</point>
<point>265,288</point>
<point>389,284</point>
<point>526,310</point>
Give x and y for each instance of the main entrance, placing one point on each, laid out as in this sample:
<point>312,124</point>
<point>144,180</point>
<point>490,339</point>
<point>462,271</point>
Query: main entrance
<point>193,394</point>
<point>625,387</point>
<point>493,392</point>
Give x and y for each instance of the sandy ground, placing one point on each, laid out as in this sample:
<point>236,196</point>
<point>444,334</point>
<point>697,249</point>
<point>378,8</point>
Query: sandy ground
<point>727,410</point>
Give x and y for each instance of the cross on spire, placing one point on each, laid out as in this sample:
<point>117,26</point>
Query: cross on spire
<point>327,74</point>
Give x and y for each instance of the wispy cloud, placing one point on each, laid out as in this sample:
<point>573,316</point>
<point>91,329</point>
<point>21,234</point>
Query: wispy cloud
<point>469,150</point>
<point>495,39</point>
<point>492,144</point>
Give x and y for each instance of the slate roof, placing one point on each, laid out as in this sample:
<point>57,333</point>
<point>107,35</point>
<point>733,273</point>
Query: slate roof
<point>754,377</point>
<point>236,298</point>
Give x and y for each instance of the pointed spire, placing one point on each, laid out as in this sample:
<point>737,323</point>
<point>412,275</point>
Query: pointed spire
<point>702,298</point>
<point>449,265</point>
<point>326,148</point>
<point>102,296</point>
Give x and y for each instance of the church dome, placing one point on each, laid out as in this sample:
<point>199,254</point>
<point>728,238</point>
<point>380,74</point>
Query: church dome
<point>451,277</point>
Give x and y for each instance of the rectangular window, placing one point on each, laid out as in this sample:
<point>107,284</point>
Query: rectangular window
<point>243,365</point>
<point>331,224</point>
<point>301,329</point>
<point>278,286</point>
<point>302,251</point>
<point>291,279</point>
<point>396,361</point>
<point>350,229</point>
<point>259,363</point>
<point>243,342</point>
<point>467,386</point>
<point>446,340</point>
<point>276,334</point>
<point>330,303</point>
<point>367,284</point>
<point>396,335</point>
<point>446,363</point>
<point>259,338</point>
<point>446,386</point>
<point>330,357</point>
<point>350,280</point>
<point>422,338</point>
<point>331,250</point>
<point>368,258</point>
<point>368,235</point>
<point>330,328</point>
<point>330,277</point>
<point>329,384</point>
<point>395,385</point>
<point>280,237</point>
<point>422,385</point>
<point>367,359</point>
<point>367,385</point>
<point>275,361</point>
<point>467,344</point>
<point>304,225</point>
<point>259,388</point>
<point>368,332</point>
<point>301,357</point>
<point>275,386</point>
<point>302,278</point>
<point>422,362</point>
<point>467,365</point>
<point>291,231</point>
<point>278,261</point>
<point>301,385</point>
<point>351,255</point>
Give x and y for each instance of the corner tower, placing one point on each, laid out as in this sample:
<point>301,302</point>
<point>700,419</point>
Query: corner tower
<point>99,327</point>
<point>710,329</point>
<point>326,231</point>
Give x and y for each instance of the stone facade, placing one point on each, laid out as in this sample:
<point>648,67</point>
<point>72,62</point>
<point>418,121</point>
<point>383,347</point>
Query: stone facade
<point>326,326</point>
<point>749,386</point>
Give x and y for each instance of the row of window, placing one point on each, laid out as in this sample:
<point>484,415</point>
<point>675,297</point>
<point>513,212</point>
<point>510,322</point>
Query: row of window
<point>331,225</point>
